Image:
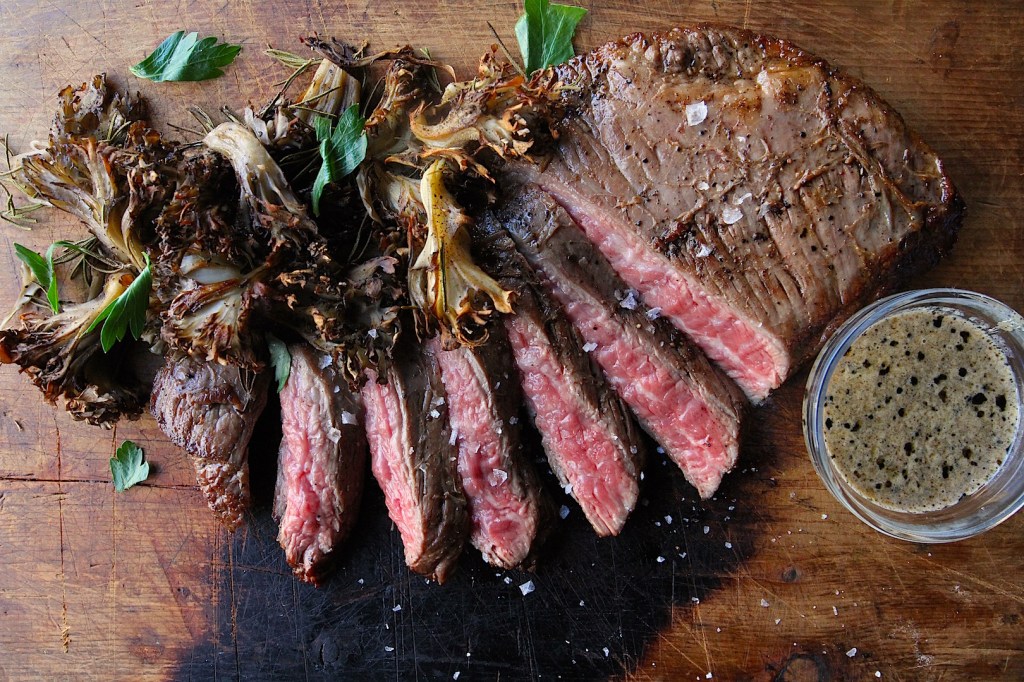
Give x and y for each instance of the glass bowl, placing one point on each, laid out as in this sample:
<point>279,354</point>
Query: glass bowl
<point>999,497</point>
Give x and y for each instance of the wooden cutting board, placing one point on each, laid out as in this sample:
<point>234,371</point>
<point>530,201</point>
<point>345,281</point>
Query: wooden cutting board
<point>770,580</point>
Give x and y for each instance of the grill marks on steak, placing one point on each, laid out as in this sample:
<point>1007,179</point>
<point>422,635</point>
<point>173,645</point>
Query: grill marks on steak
<point>210,410</point>
<point>587,433</point>
<point>414,458</point>
<point>690,408</point>
<point>758,224</point>
<point>321,463</point>
<point>501,487</point>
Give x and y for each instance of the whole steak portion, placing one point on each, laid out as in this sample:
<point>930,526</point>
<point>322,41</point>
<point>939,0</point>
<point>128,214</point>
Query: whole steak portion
<point>751,193</point>
<point>210,410</point>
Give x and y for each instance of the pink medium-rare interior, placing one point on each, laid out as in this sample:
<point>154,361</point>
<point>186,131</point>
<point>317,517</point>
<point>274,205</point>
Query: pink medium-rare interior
<point>302,412</point>
<point>504,522</point>
<point>386,419</point>
<point>747,355</point>
<point>660,398</point>
<point>586,456</point>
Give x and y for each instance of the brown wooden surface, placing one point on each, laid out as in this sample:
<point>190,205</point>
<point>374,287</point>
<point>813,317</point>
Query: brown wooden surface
<point>129,585</point>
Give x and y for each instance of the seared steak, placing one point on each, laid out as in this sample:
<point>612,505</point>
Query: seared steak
<point>210,410</point>
<point>415,460</point>
<point>588,435</point>
<point>501,487</point>
<point>750,192</point>
<point>321,464</point>
<point>685,403</point>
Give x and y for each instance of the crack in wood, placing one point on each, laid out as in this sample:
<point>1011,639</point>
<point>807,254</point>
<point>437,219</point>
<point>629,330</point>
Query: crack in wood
<point>59,480</point>
<point>65,628</point>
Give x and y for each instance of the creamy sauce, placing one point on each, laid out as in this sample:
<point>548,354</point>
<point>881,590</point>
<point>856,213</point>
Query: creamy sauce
<point>921,410</point>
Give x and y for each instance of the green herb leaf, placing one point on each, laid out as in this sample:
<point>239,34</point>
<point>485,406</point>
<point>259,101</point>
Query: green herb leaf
<point>127,467</point>
<point>42,270</point>
<point>281,360</point>
<point>126,311</point>
<point>182,57</point>
<point>342,149</point>
<point>545,33</point>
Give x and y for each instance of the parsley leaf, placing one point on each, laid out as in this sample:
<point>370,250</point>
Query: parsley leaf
<point>127,467</point>
<point>281,360</point>
<point>126,311</point>
<point>182,57</point>
<point>545,33</point>
<point>342,149</point>
<point>42,270</point>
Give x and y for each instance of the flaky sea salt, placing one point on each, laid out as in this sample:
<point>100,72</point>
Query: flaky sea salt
<point>653,313</point>
<point>764,603</point>
<point>703,186</point>
<point>334,434</point>
<point>696,113</point>
<point>348,419</point>
<point>563,512</point>
<point>527,587</point>
<point>703,251</point>
<point>629,302</point>
<point>325,361</point>
<point>588,347</point>
<point>731,215</point>
<point>454,437</point>
<point>498,476</point>
<point>434,414</point>
<point>852,652</point>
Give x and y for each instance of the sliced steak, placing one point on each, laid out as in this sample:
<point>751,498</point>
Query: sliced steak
<point>321,464</point>
<point>415,460</point>
<point>752,193</point>
<point>210,410</point>
<point>588,434</point>
<point>502,488</point>
<point>684,402</point>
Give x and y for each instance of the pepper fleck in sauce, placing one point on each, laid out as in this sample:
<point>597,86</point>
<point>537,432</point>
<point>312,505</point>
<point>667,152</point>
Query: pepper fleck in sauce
<point>921,410</point>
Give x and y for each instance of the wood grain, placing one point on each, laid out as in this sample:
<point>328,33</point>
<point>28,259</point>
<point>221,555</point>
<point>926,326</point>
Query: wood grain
<point>146,585</point>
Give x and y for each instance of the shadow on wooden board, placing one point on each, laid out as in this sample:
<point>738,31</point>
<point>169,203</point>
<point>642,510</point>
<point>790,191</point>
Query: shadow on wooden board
<point>594,605</point>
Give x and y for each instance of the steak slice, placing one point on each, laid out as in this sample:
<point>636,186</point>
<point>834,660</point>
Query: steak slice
<point>210,410</point>
<point>587,433</point>
<point>501,487</point>
<point>321,464</point>
<point>752,193</point>
<point>684,402</point>
<point>414,458</point>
